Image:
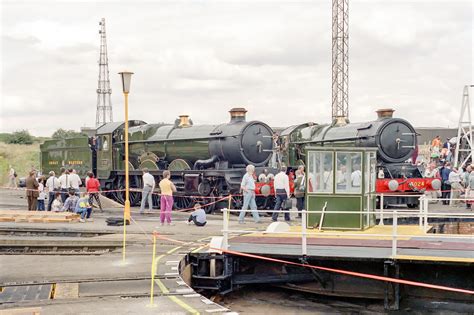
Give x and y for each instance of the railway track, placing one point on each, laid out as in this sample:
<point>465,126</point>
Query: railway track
<point>25,231</point>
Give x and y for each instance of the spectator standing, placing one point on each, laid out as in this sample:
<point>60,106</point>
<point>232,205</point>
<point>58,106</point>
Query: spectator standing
<point>71,201</point>
<point>247,186</point>
<point>470,188</point>
<point>93,188</point>
<point>435,148</point>
<point>282,192</point>
<point>32,190</point>
<point>300,185</point>
<point>74,180</point>
<point>356,177</point>
<point>12,177</point>
<point>64,184</point>
<point>147,192</point>
<point>57,203</point>
<point>456,187</point>
<point>167,188</point>
<point>431,172</point>
<point>41,195</point>
<point>52,186</point>
<point>198,216</point>
<point>445,184</point>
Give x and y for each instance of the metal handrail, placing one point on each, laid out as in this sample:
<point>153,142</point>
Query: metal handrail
<point>422,213</point>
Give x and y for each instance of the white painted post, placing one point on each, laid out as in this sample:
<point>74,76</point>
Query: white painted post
<point>420,212</point>
<point>304,248</point>
<point>225,228</point>
<point>425,210</point>
<point>394,234</point>
<point>381,210</point>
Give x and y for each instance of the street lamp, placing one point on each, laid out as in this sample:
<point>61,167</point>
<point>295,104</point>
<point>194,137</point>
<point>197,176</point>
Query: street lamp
<point>126,77</point>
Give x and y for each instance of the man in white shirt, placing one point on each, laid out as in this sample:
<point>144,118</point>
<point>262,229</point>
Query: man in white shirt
<point>147,192</point>
<point>64,184</point>
<point>74,181</point>
<point>53,186</point>
<point>356,178</point>
<point>282,190</point>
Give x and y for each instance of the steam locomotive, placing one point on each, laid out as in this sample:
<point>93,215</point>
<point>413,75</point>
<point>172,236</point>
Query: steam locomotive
<point>207,162</point>
<point>395,139</point>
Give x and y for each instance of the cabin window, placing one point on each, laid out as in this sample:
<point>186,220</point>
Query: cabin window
<point>348,172</point>
<point>105,143</point>
<point>370,172</point>
<point>320,172</point>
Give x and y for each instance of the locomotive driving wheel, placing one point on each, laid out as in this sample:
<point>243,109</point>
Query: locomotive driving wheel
<point>208,203</point>
<point>156,198</point>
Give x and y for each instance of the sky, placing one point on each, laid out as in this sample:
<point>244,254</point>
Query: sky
<point>203,57</point>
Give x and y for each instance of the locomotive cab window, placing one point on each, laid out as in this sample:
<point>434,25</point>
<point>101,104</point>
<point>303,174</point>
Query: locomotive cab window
<point>320,172</point>
<point>348,172</point>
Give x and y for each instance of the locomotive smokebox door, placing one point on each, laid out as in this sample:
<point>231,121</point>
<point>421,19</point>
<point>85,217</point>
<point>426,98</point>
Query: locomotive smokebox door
<point>340,188</point>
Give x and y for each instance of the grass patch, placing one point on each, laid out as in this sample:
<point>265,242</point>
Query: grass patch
<point>20,156</point>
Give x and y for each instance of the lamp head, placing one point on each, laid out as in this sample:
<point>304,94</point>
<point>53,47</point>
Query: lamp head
<point>126,77</point>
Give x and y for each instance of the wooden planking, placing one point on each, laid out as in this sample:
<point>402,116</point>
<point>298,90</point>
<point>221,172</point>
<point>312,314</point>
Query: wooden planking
<point>37,216</point>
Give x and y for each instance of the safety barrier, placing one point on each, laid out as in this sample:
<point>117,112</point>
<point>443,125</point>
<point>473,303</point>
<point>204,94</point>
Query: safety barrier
<point>423,216</point>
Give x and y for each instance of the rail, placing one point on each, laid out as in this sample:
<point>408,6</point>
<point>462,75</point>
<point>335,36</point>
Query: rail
<point>423,214</point>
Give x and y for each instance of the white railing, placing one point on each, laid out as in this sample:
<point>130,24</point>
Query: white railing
<point>422,213</point>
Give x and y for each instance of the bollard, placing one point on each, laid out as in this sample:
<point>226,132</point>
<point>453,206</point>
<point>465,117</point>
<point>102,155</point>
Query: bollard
<point>304,249</point>
<point>394,234</point>
<point>153,266</point>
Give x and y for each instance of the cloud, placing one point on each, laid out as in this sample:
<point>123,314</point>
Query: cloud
<point>203,58</point>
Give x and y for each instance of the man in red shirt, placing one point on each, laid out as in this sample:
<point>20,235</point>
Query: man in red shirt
<point>93,188</point>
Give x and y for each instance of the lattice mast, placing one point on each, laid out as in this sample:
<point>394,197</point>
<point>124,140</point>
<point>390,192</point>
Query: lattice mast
<point>464,147</point>
<point>104,103</point>
<point>340,62</point>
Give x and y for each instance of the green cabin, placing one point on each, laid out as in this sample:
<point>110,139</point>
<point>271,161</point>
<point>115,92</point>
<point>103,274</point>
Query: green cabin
<point>340,179</point>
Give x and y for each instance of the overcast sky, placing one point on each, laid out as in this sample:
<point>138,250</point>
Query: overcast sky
<point>204,57</point>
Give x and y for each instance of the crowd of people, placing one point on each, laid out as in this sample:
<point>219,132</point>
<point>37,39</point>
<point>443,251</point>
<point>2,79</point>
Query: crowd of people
<point>456,182</point>
<point>63,193</point>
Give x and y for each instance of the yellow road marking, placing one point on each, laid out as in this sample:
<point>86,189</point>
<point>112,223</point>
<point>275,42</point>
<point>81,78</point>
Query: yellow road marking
<point>435,258</point>
<point>173,250</point>
<point>162,287</point>
<point>183,305</point>
<point>165,290</point>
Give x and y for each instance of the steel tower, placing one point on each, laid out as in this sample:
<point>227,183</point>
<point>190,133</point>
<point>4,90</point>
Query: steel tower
<point>340,63</point>
<point>464,150</point>
<point>104,103</point>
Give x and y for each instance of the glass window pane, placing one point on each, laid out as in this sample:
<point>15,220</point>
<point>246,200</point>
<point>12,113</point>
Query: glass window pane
<point>320,172</point>
<point>348,174</point>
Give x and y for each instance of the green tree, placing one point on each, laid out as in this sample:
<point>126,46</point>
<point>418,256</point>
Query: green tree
<point>63,134</point>
<point>20,137</point>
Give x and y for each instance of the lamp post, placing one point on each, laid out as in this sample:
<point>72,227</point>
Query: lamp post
<point>126,77</point>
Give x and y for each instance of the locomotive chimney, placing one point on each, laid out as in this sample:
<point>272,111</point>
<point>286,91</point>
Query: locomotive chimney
<point>385,113</point>
<point>184,121</point>
<point>237,114</point>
